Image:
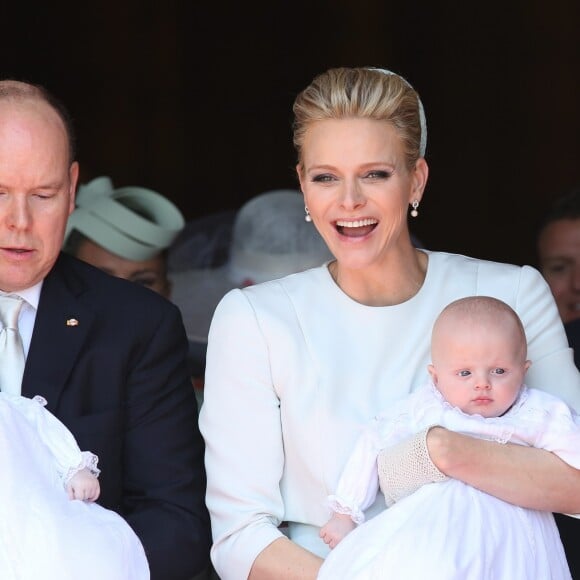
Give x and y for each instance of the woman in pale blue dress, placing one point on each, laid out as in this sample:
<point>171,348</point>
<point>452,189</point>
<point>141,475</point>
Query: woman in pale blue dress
<point>295,366</point>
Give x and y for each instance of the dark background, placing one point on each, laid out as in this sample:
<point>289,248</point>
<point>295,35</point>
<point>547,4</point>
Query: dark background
<point>193,99</point>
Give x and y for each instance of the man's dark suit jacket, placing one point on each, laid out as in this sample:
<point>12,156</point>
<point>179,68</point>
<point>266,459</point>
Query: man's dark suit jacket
<point>110,359</point>
<point>568,527</point>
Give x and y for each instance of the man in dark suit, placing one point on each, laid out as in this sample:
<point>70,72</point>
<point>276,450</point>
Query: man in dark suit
<point>558,253</point>
<point>107,355</point>
<point>569,527</point>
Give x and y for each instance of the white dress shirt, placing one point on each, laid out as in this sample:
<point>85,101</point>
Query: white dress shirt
<point>28,311</point>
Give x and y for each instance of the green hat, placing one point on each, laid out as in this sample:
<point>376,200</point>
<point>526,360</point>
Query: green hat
<point>132,222</point>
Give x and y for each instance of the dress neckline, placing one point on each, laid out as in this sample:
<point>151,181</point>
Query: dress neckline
<point>337,290</point>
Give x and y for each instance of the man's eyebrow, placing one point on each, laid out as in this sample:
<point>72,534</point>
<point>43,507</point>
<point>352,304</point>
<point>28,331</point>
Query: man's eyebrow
<point>47,185</point>
<point>50,185</point>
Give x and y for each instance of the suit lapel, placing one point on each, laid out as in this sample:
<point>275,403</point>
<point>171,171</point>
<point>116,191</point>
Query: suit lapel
<point>61,328</point>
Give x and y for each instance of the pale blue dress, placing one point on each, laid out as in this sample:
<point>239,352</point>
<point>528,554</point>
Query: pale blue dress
<point>295,367</point>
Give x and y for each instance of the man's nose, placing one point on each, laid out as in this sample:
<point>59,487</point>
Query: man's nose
<point>17,213</point>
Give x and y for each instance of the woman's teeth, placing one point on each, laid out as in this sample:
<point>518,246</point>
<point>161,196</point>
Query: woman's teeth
<point>356,223</point>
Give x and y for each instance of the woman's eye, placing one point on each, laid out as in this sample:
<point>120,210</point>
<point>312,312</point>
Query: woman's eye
<point>323,178</point>
<point>379,174</point>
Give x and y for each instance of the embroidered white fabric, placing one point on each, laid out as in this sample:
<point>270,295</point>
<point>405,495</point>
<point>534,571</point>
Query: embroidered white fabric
<point>342,506</point>
<point>405,467</point>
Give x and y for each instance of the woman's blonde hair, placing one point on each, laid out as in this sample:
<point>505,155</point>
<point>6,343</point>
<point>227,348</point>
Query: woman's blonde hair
<point>364,93</point>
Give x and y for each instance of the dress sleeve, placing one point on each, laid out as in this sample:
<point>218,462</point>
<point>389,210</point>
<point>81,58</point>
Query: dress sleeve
<point>241,423</point>
<point>547,343</point>
<point>358,484</point>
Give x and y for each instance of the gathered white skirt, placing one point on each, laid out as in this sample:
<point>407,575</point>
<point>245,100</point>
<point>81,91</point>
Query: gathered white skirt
<point>43,534</point>
<point>451,531</point>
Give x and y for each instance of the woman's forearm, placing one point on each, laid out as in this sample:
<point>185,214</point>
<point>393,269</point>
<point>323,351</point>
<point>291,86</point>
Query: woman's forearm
<point>525,476</point>
<point>285,560</point>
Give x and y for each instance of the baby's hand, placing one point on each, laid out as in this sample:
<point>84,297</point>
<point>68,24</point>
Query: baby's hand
<point>83,485</point>
<point>337,527</point>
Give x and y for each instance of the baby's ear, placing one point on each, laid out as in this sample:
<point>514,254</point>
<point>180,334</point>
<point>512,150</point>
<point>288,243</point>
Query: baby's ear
<point>527,364</point>
<point>433,373</point>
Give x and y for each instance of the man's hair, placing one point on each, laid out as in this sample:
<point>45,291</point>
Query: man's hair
<point>565,207</point>
<point>19,91</point>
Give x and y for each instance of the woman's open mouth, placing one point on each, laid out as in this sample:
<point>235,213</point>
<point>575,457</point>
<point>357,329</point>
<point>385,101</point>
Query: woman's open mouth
<point>356,228</point>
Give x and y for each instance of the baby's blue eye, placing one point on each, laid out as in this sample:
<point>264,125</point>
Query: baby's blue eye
<point>499,371</point>
<point>464,373</point>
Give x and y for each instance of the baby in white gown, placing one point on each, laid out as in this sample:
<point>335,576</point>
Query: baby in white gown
<point>448,530</point>
<point>50,527</point>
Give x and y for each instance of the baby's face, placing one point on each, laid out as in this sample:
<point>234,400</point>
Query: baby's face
<point>478,369</point>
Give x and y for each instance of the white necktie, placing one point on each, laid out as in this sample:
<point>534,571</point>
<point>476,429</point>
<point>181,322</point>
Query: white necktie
<point>11,350</point>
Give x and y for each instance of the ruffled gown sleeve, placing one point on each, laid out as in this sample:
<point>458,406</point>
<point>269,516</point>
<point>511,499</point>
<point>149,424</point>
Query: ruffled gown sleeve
<point>358,484</point>
<point>68,458</point>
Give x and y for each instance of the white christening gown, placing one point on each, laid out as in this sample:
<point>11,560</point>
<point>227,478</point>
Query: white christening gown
<point>43,534</point>
<point>450,530</point>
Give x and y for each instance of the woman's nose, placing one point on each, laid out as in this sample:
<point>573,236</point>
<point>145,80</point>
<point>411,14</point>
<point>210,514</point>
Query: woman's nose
<point>352,196</point>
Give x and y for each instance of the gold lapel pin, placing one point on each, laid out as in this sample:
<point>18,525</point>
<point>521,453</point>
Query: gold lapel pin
<point>72,322</point>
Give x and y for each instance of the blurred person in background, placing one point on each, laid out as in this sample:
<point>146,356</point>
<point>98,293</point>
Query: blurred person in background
<point>558,251</point>
<point>125,232</point>
<point>266,238</point>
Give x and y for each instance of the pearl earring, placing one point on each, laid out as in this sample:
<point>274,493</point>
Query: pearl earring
<point>307,217</point>
<point>414,211</point>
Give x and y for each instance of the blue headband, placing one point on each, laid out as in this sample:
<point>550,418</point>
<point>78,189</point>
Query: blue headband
<point>422,118</point>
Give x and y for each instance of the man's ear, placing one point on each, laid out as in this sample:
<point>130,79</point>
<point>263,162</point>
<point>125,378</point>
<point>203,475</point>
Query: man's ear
<point>73,174</point>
